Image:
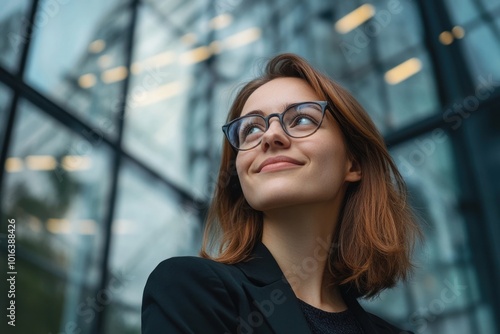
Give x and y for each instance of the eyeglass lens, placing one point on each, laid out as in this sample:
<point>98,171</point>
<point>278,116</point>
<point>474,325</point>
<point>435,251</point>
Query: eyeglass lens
<point>298,121</point>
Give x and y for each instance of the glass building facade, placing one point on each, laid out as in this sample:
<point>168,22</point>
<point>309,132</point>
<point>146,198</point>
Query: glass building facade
<point>110,116</point>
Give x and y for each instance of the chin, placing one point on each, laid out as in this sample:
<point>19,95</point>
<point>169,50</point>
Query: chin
<point>272,195</point>
<point>270,202</point>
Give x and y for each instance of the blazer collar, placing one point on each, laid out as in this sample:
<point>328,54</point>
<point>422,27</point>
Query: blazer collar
<point>270,292</point>
<point>263,270</point>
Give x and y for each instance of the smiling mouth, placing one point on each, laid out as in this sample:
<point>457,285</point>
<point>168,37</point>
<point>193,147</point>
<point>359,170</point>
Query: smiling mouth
<point>278,166</point>
<point>278,163</point>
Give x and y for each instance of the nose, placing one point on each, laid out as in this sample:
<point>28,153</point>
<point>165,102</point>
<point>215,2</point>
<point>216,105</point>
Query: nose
<point>275,136</point>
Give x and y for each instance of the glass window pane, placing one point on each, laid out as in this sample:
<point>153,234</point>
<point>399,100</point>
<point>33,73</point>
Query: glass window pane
<point>395,27</point>
<point>492,6</point>
<point>354,40</point>
<point>482,50</point>
<point>392,28</point>
<point>414,97</point>
<point>13,24</point>
<point>393,105</point>
<point>353,47</point>
<point>444,287</point>
<point>77,57</point>
<point>157,103</point>
<point>370,92</point>
<point>151,225</point>
<point>484,133</point>
<point>462,11</point>
<point>56,188</point>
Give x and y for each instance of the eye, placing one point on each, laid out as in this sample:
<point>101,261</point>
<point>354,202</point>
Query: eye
<point>304,116</point>
<point>250,131</point>
<point>303,120</point>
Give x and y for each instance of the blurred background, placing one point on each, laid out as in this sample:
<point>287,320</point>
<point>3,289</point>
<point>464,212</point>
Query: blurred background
<point>110,116</point>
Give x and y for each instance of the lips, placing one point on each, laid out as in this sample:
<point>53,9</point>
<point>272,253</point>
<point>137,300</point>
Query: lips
<point>278,162</point>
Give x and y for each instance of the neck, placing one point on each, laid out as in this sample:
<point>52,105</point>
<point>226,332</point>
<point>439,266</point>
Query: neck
<point>300,241</point>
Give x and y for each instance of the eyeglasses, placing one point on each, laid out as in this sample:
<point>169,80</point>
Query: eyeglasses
<point>298,121</point>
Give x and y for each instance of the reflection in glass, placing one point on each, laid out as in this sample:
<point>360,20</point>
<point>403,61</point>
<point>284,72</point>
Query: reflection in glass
<point>13,24</point>
<point>151,224</point>
<point>157,99</point>
<point>482,50</point>
<point>396,27</point>
<point>77,58</point>
<point>442,296</point>
<point>491,6</point>
<point>413,96</point>
<point>462,11</point>
<point>188,59</point>
<point>369,91</point>
<point>55,188</point>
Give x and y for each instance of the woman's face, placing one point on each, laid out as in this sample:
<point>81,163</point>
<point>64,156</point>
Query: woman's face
<point>308,170</point>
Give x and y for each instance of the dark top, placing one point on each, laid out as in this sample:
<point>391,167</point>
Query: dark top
<point>323,322</point>
<point>200,296</point>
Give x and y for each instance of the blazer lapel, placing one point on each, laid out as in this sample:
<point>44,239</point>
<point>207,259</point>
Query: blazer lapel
<point>271,294</point>
<point>279,306</point>
<point>349,293</point>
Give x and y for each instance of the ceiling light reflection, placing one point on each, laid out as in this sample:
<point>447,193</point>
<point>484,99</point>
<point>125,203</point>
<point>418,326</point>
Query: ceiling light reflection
<point>403,71</point>
<point>446,38</point>
<point>162,93</point>
<point>189,38</point>
<point>216,47</point>
<point>97,46</point>
<point>104,61</point>
<point>76,162</point>
<point>40,162</point>
<point>159,60</point>
<point>242,38</point>
<point>220,21</point>
<point>355,18</point>
<point>195,55</point>
<point>114,74</point>
<point>87,80</point>
<point>13,165</point>
<point>458,32</point>
<point>58,226</point>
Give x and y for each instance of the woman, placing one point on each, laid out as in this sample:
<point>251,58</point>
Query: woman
<point>308,215</point>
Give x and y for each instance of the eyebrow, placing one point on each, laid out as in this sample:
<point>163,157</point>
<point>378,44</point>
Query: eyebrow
<point>283,108</point>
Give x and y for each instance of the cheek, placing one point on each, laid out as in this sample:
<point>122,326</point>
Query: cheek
<point>333,162</point>
<point>244,162</point>
<point>239,166</point>
<point>242,165</point>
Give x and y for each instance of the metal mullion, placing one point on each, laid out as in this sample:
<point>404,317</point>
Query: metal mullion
<point>99,321</point>
<point>433,122</point>
<point>456,83</point>
<point>81,128</point>
<point>11,117</point>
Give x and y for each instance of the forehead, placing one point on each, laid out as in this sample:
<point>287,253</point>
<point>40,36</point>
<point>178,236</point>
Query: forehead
<point>276,94</point>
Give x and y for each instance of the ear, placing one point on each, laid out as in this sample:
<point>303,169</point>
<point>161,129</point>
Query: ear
<point>353,172</point>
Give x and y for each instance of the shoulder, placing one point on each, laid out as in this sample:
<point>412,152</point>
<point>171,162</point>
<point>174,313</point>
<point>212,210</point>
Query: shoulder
<point>386,327</point>
<point>190,295</point>
<point>180,270</point>
<point>182,265</point>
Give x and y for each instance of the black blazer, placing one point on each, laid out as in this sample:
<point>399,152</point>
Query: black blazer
<point>201,296</point>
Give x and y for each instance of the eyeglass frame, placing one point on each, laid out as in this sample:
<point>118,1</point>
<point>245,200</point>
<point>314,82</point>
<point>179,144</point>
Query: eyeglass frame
<point>323,104</point>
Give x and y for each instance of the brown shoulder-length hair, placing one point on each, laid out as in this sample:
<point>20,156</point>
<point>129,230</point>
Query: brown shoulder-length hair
<point>372,245</point>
